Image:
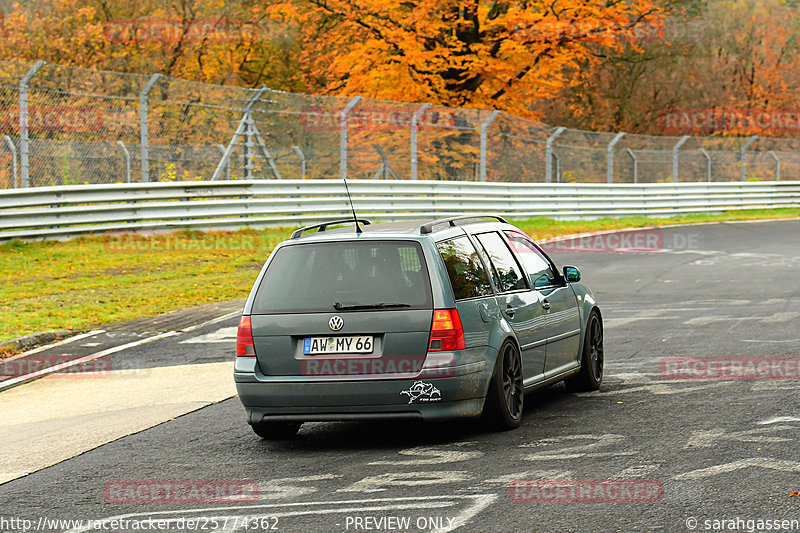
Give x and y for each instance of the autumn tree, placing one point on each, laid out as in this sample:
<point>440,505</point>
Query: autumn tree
<point>719,57</point>
<point>204,40</point>
<point>498,55</point>
<point>593,64</point>
<point>754,55</point>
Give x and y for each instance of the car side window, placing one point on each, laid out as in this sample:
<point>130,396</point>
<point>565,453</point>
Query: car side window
<point>464,267</point>
<point>506,272</point>
<point>537,266</point>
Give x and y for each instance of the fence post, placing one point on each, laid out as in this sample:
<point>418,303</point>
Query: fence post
<point>13,150</point>
<point>777,165</point>
<point>610,169</point>
<point>548,154</point>
<point>414,122</point>
<point>558,167</point>
<point>250,133</point>
<point>247,148</point>
<point>484,128</point>
<point>343,136</point>
<point>228,165</point>
<point>143,126</point>
<point>302,157</point>
<point>743,155</point>
<point>127,161</point>
<point>708,164</point>
<point>635,164</point>
<point>675,149</point>
<point>23,123</point>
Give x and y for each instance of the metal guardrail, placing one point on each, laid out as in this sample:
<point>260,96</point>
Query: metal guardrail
<point>60,212</point>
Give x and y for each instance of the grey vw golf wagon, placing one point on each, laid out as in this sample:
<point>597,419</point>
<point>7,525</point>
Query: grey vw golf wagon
<point>427,320</point>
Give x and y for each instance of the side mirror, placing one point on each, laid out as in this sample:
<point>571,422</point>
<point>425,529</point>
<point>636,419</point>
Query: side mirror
<point>572,274</point>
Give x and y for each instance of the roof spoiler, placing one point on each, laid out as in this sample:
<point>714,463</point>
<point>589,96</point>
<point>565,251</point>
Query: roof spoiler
<point>324,226</point>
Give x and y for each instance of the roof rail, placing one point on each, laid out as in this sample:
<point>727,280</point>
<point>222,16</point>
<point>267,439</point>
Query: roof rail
<point>451,222</point>
<point>324,225</point>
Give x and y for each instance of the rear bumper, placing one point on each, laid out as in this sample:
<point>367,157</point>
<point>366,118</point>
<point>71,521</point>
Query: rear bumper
<point>300,398</point>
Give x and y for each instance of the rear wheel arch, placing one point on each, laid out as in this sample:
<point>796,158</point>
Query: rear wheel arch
<point>512,340</point>
<point>497,345</point>
<point>496,352</point>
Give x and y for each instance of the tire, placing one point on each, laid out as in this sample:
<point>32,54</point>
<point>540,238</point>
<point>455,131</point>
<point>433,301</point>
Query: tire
<point>505,399</point>
<point>276,430</point>
<point>591,373</point>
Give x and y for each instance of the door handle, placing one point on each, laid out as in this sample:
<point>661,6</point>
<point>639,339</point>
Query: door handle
<point>546,305</point>
<point>510,311</point>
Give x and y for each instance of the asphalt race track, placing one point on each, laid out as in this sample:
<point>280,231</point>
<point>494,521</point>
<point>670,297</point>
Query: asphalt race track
<point>694,450</point>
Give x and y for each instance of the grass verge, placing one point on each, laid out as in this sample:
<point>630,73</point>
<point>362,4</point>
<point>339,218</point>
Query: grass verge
<point>88,281</point>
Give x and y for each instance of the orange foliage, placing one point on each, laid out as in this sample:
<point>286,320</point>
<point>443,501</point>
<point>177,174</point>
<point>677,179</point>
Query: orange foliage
<point>458,53</point>
<point>204,40</point>
<point>730,58</point>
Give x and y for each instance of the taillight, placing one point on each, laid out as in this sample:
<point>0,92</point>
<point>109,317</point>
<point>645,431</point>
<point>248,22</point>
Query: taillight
<point>446,331</point>
<point>244,339</point>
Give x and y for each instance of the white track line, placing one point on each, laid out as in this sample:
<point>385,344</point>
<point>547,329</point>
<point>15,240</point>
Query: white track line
<point>53,345</point>
<point>4,385</point>
<point>68,364</point>
<point>212,321</point>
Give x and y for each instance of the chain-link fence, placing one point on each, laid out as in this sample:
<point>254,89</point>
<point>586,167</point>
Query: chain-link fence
<point>62,126</point>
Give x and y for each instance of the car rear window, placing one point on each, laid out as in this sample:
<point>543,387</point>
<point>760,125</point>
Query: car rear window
<point>313,277</point>
<point>464,267</point>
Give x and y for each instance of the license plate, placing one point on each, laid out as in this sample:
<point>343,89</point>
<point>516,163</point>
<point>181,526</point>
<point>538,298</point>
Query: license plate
<point>354,344</point>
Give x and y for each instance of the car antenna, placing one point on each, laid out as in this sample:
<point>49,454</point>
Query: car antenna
<point>355,218</point>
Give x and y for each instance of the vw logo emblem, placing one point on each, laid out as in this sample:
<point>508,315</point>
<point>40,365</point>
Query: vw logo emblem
<point>336,323</point>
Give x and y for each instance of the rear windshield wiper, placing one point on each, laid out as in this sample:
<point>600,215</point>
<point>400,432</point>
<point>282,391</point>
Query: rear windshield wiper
<point>341,307</point>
